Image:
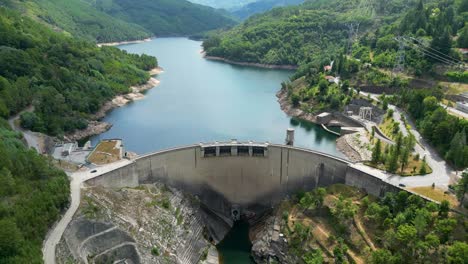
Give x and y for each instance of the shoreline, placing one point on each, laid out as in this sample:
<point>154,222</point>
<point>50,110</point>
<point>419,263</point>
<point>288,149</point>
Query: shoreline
<point>288,109</point>
<point>341,144</point>
<point>96,127</point>
<point>250,64</point>
<point>117,43</point>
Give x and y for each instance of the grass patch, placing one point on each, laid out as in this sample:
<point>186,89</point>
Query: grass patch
<point>161,201</point>
<point>436,194</point>
<point>408,171</point>
<point>105,152</point>
<point>388,128</point>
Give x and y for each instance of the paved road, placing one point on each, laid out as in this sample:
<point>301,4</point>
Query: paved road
<point>77,179</point>
<point>32,138</point>
<point>441,171</point>
<point>455,111</point>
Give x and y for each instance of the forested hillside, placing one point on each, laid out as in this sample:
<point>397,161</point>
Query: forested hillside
<point>65,79</point>
<point>79,18</point>
<point>361,37</point>
<point>118,20</point>
<point>166,17</point>
<point>226,4</point>
<point>319,30</point>
<point>32,195</point>
<point>262,6</point>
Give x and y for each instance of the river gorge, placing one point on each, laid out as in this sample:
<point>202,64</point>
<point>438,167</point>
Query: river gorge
<point>200,100</point>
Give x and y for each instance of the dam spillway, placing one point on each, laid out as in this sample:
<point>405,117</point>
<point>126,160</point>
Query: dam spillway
<point>233,177</point>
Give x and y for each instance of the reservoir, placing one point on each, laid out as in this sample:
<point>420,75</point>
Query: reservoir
<point>204,101</point>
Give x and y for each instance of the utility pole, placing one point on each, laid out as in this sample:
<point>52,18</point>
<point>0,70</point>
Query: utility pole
<point>400,59</point>
<point>353,29</point>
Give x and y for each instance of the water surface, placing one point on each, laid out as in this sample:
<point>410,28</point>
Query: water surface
<point>205,101</point>
<point>236,246</point>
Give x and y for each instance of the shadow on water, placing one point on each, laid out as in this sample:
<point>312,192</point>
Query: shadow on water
<point>236,246</point>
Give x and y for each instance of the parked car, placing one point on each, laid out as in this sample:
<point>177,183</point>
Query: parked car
<point>401,185</point>
<point>93,171</point>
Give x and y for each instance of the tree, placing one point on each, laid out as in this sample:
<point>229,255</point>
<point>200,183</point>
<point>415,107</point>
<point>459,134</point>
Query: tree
<point>421,220</point>
<point>444,208</point>
<point>345,86</point>
<point>313,257</point>
<point>10,240</point>
<point>457,253</point>
<point>462,187</point>
<point>423,170</point>
<point>344,209</point>
<point>392,160</point>
<point>295,99</point>
<point>339,252</point>
<point>442,41</point>
<point>323,86</point>
<point>463,38</point>
<point>383,256</point>
<point>404,158</point>
<point>376,152</point>
<point>457,148</point>
<point>444,228</point>
<point>313,199</point>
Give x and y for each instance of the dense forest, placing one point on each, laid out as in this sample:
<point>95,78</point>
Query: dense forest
<point>117,20</point>
<point>166,17</point>
<point>65,79</point>
<point>79,19</point>
<point>32,196</point>
<point>361,39</point>
<point>261,6</point>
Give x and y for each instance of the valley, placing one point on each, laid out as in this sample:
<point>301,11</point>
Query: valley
<point>208,132</point>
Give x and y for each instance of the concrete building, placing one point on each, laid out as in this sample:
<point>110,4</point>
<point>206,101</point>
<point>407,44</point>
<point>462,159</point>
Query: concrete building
<point>324,118</point>
<point>68,148</point>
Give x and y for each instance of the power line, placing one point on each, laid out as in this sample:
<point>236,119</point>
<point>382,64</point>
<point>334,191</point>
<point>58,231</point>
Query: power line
<point>436,51</point>
<point>427,52</point>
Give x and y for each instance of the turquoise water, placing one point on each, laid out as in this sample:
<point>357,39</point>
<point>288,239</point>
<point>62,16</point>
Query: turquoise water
<point>204,101</point>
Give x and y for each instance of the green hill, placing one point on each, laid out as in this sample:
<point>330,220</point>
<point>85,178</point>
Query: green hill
<point>79,19</point>
<point>317,33</point>
<point>296,34</point>
<point>166,17</point>
<point>117,20</point>
<point>66,80</point>
<point>261,6</point>
<point>70,84</point>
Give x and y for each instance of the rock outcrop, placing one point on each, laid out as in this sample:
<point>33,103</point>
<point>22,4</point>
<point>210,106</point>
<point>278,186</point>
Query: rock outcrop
<point>148,224</point>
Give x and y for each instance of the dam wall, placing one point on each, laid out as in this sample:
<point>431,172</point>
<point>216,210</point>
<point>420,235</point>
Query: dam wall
<point>245,176</point>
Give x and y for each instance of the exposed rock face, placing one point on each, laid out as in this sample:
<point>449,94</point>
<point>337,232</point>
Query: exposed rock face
<point>288,108</point>
<point>148,224</point>
<point>94,128</point>
<point>268,245</point>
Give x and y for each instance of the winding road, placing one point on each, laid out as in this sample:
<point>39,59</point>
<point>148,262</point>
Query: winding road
<point>33,139</point>
<point>441,171</point>
<point>77,179</point>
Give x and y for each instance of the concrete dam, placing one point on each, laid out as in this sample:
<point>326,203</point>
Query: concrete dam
<point>232,179</point>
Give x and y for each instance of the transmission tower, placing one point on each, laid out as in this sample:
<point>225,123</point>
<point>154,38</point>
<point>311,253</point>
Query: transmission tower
<point>366,8</point>
<point>353,29</point>
<point>400,59</point>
